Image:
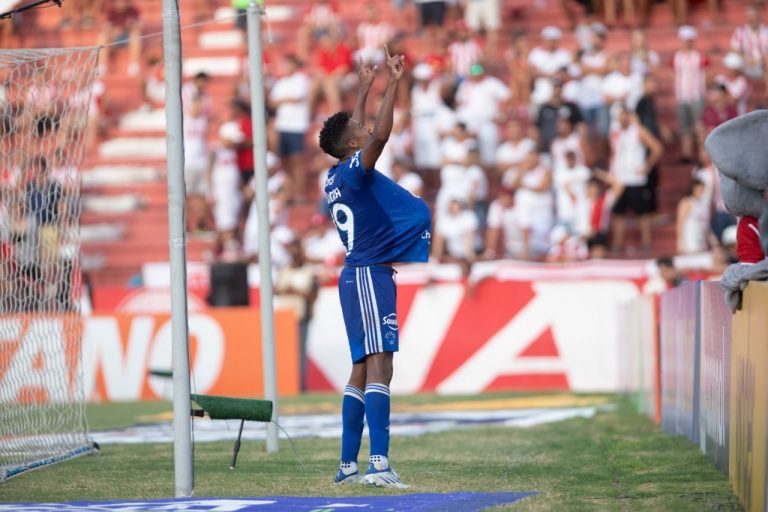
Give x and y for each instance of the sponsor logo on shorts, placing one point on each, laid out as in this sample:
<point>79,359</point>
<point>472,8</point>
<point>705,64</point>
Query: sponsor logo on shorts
<point>390,321</point>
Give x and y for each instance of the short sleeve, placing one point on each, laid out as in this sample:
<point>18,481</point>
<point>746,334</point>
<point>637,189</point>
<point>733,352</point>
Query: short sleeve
<point>353,171</point>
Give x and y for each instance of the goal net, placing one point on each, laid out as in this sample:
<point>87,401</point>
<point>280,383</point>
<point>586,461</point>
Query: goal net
<point>45,97</point>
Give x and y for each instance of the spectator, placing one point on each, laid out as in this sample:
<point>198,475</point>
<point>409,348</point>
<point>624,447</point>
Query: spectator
<point>570,180</point>
<point>241,115</point>
<point>644,60</point>
<point>485,15</point>
<point>565,247</point>
<point>690,88</point>
<point>409,180</point>
<point>480,100</point>
<point>634,153</point>
<point>735,82</point>
<point>516,58</point>
<point>224,184</point>
<point>708,174</point>
<point>514,149</point>
<point>603,190</point>
<point>455,151</point>
<point>597,246</point>
<point>290,98</point>
<point>534,204</point>
<point>544,62</point>
<point>372,35</point>
<point>594,67</point>
<point>197,88</point>
<point>751,42</point>
<point>504,236</point>
<point>426,105</point>
<point>568,139</point>
<point>693,220</point>
<point>477,185</point>
<point>153,85</point>
<point>646,114</point>
<point>620,87</point>
<point>464,52</point>
<point>550,112</point>
<point>667,271</point>
<point>321,242</point>
<point>718,110</point>
<point>334,62</point>
<point>455,233</point>
<point>122,28</point>
<point>432,15</point>
<point>320,19</point>
<point>196,160</point>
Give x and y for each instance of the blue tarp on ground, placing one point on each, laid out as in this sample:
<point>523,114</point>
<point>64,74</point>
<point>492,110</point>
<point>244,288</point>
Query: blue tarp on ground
<point>427,502</point>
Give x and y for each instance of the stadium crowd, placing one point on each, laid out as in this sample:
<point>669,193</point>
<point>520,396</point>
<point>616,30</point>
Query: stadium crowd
<point>534,152</point>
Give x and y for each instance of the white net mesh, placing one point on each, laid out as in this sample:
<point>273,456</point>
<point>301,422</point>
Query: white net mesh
<point>45,97</point>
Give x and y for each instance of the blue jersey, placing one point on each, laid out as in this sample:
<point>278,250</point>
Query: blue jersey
<point>377,219</point>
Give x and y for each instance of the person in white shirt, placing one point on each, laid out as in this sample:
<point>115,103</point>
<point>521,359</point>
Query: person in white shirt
<point>621,88</point>
<point>372,35</point>
<point>464,52</point>
<point>453,183</point>
<point>544,62</point>
<point>480,100</point>
<point>409,180</point>
<point>594,67</point>
<point>569,139</point>
<point>504,236</point>
<point>571,204</point>
<point>196,159</point>
<point>224,183</point>
<point>734,81</point>
<point>693,212</point>
<point>535,205</point>
<point>455,233</point>
<point>634,153</point>
<point>513,150</point>
<point>477,184</point>
<point>290,98</point>
<point>751,42</point>
<point>484,15</point>
<point>644,60</point>
<point>426,103</point>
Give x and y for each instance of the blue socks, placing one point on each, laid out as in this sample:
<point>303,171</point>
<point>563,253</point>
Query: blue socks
<point>377,413</point>
<point>352,415</point>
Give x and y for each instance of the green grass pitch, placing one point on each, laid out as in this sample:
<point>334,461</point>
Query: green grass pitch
<point>618,460</point>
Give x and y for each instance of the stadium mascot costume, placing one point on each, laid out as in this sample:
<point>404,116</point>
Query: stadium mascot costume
<point>739,150</point>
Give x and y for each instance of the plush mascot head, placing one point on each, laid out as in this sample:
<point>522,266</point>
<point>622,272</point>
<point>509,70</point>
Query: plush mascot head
<point>739,150</point>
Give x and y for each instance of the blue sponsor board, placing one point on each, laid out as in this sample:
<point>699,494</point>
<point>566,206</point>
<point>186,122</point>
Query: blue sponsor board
<point>454,502</point>
<point>679,319</point>
<point>715,377</point>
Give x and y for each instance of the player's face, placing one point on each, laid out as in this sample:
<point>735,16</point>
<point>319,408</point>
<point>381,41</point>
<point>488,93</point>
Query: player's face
<point>359,135</point>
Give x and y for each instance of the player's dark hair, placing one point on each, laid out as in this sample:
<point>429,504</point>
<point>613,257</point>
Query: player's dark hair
<point>665,261</point>
<point>333,134</point>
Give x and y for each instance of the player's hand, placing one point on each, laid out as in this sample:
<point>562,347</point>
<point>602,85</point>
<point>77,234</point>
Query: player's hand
<point>395,64</point>
<point>366,74</point>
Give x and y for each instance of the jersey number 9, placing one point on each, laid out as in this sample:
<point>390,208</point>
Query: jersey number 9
<point>347,225</point>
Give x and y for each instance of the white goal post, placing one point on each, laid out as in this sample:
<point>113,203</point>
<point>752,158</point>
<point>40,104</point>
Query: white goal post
<point>45,95</point>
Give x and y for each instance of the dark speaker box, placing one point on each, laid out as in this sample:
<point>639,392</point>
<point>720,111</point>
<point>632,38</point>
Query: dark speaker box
<point>229,285</point>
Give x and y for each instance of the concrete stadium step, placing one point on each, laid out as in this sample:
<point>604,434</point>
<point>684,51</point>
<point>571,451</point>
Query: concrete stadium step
<point>145,148</point>
<point>214,66</point>
<point>120,176</point>
<point>221,40</point>
<point>143,121</point>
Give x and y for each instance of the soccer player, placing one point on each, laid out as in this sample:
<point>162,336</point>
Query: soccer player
<point>380,224</point>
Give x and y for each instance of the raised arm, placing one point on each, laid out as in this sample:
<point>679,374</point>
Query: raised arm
<point>366,74</point>
<point>383,125</point>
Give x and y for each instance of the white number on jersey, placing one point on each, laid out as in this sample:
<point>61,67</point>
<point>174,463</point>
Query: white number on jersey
<point>348,226</point>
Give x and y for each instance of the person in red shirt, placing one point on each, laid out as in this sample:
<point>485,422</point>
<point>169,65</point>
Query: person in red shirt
<point>333,60</point>
<point>123,26</point>
<point>719,109</point>
<point>241,114</point>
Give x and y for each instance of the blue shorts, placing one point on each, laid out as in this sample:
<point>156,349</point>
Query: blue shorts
<point>368,302</point>
<point>290,143</point>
